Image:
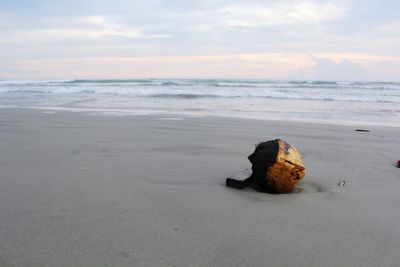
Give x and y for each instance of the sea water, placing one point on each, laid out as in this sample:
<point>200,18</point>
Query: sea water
<point>376,103</point>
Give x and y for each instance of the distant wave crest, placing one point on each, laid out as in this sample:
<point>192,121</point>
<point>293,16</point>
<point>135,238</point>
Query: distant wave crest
<point>111,81</point>
<point>184,96</point>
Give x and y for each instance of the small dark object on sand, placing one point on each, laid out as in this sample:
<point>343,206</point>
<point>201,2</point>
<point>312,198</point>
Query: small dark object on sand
<point>341,183</point>
<point>362,130</point>
<point>398,164</point>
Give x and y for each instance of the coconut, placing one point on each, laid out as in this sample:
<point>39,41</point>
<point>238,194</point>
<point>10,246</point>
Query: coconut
<point>277,167</point>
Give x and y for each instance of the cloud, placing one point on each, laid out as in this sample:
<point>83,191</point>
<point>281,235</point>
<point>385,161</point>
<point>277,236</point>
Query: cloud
<point>345,70</point>
<point>254,38</point>
<point>76,29</point>
<point>279,13</point>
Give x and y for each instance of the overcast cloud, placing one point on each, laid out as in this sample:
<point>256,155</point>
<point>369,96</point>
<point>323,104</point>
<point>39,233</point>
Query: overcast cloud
<point>341,40</point>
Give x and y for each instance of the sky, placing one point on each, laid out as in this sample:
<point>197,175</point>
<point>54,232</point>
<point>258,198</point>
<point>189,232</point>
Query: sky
<point>302,40</point>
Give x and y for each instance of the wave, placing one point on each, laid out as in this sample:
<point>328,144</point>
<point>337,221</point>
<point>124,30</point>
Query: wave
<point>386,101</point>
<point>85,92</point>
<point>300,98</point>
<point>184,96</point>
<point>26,92</point>
<point>213,81</point>
<point>203,83</point>
<point>367,92</point>
<point>314,82</point>
<point>223,85</point>
<point>225,94</point>
<point>375,83</point>
<point>176,84</point>
<point>324,83</point>
<point>111,81</point>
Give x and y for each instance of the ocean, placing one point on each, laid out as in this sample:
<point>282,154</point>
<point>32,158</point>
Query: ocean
<point>333,102</point>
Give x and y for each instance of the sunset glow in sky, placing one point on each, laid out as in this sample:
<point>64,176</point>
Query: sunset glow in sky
<point>322,40</point>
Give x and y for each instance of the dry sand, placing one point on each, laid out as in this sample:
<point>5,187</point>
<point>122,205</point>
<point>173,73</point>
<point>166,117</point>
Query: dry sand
<point>79,190</point>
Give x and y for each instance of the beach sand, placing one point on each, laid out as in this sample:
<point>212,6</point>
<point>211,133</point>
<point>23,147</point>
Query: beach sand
<point>80,190</point>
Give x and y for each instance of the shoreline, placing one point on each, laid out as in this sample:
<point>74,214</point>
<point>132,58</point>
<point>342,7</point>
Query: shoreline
<point>193,114</point>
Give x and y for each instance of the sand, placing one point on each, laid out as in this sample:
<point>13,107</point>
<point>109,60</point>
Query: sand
<point>84,190</point>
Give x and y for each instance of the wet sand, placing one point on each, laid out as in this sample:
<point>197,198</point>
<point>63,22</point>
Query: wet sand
<point>85,190</point>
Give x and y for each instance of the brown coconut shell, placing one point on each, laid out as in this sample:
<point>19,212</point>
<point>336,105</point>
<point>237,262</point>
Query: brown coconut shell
<point>277,166</point>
